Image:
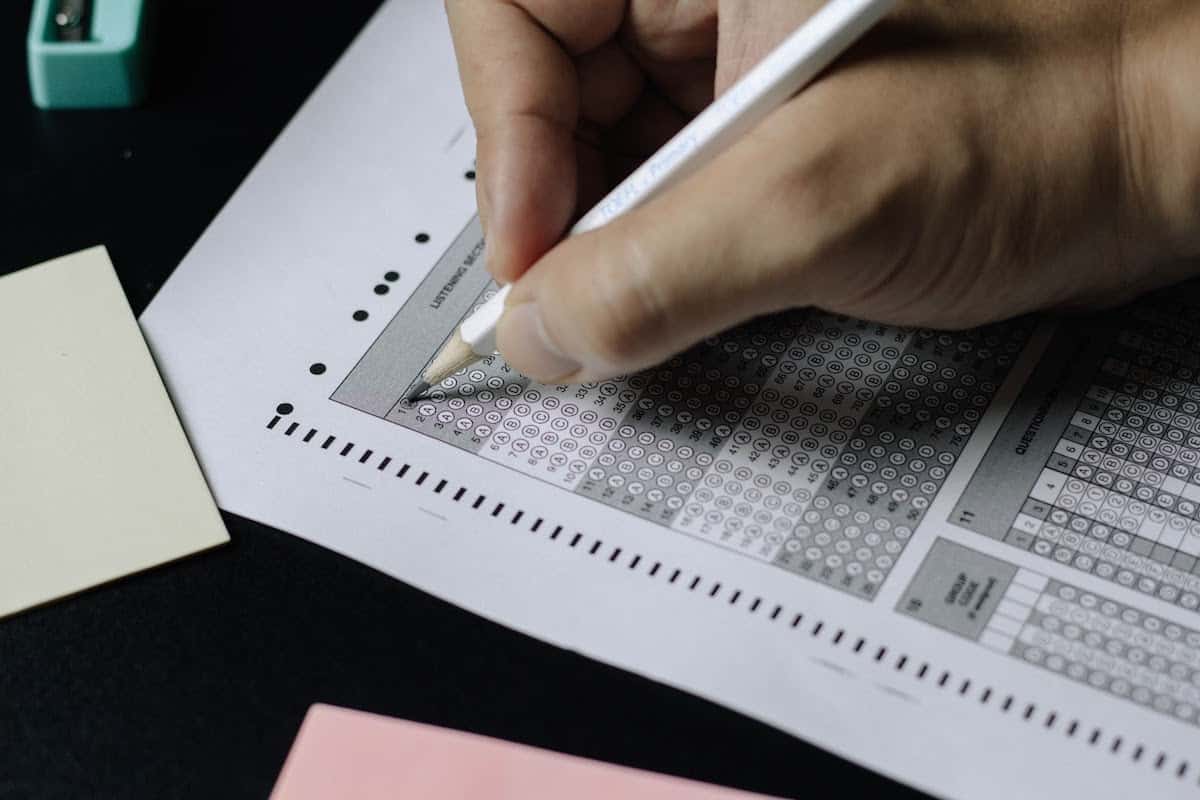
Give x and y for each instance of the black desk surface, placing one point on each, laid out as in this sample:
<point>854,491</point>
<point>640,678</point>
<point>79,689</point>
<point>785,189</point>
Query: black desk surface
<point>191,680</point>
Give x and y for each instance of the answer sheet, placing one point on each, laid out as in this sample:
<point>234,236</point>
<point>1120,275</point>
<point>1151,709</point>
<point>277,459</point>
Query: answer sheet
<point>968,560</point>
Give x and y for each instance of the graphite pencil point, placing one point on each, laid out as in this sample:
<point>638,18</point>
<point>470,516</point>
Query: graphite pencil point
<point>417,392</point>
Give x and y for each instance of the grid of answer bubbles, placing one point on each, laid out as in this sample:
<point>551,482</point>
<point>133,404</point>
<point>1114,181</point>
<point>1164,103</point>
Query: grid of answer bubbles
<point>1115,648</point>
<point>808,440</point>
<point>876,490</point>
<point>1119,496</point>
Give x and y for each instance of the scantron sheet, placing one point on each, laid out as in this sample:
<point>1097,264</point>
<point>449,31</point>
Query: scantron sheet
<point>968,561</point>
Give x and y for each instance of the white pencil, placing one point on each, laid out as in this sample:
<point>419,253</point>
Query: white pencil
<point>771,83</point>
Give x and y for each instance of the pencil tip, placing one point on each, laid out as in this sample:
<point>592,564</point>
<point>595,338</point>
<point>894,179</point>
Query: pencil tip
<point>416,392</point>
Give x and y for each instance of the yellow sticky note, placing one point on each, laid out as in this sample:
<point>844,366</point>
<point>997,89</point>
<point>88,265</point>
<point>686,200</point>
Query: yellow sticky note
<point>96,476</point>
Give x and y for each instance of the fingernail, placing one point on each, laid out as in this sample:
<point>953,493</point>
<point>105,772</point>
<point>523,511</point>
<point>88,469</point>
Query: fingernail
<point>523,339</point>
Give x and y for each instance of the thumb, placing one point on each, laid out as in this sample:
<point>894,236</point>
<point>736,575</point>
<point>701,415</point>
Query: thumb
<point>644,287</point>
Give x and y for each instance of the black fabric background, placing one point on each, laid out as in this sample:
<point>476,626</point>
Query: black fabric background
<point>190,680</point>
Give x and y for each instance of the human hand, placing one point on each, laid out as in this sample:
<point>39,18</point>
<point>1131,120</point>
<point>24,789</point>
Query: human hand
<point>967,162</point>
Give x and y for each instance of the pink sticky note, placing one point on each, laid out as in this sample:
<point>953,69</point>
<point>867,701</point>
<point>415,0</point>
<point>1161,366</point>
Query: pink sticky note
<point>353,755</point>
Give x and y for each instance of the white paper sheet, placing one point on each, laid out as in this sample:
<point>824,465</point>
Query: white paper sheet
<point>784,521</point>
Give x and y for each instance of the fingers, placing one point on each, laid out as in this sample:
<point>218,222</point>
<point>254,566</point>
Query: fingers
<point>532,69</point>
<point>647,285</point>
<point>609,83</point>
<point>751,30</point>
<point>672,30</point>
<point>524,122</point>
<point>799,212</point>
<point>675,44</point>
<point>519,79</point>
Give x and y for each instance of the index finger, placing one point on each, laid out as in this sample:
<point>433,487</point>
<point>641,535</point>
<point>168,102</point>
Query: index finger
<point>518,77</point>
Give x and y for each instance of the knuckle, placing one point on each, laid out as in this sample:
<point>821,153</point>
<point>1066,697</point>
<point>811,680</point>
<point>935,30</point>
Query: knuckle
<point>654,20</point>
<point>672,29</point>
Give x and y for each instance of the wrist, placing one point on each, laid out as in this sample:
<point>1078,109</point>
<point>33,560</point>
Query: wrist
<point>1158,87</point>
